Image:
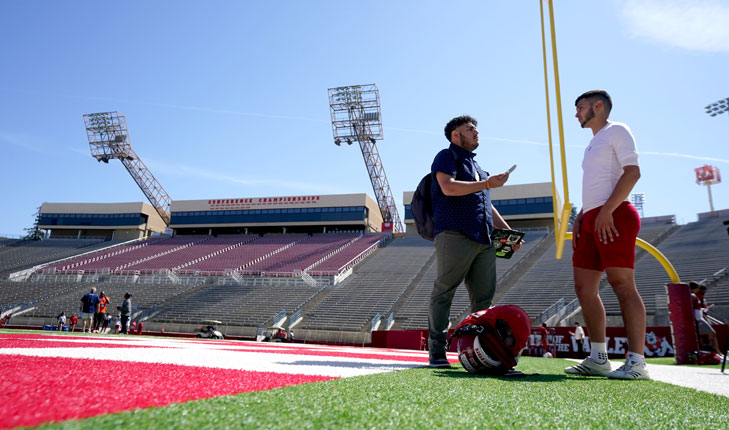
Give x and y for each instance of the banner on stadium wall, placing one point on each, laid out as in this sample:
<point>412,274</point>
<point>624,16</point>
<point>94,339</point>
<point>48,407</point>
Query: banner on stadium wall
<point>658,342</point>
<point>386,227</point>
<point>260,202</point>
<point>561,343</point>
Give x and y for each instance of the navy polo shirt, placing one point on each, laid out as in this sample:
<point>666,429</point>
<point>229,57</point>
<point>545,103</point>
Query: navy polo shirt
<point>469,214</point>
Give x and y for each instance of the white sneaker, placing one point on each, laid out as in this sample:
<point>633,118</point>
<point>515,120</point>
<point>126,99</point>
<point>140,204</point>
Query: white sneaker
<point>630,372</point>
<point>589,367</point>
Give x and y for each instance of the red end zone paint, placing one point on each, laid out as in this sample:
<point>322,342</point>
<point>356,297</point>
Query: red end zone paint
<point>36,390</point>
<point>63,343</point>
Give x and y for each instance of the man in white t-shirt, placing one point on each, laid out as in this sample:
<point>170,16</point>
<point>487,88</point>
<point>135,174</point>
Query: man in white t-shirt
<point>579,335</point>
<point>604,236</point>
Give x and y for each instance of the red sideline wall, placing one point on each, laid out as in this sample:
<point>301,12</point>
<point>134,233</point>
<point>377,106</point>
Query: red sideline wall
<point>659,342</point>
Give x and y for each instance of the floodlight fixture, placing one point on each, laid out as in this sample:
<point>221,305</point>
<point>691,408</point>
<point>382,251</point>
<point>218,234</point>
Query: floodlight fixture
<point>356,117</point>
<point>718,107</point>
<point>108,139</point>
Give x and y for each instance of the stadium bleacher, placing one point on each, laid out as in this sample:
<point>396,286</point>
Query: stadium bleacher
<point>235,305</point>
<point>200,250</point>
<point>413,313</point>
<point>302,254</point>
<point>23,254</point>
<point>394,279</point>
<point>243,256</point>
<point>348,256</point>
<point>696,250</point>
<point>135,254</point>
<point>374,288</point>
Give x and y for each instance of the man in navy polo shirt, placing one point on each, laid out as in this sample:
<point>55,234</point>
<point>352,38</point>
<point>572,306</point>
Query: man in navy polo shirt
<point>464,219</point>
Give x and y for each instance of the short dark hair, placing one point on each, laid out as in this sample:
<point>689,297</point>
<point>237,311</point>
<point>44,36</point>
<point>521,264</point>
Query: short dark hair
<point>694,285</point>
<point>457,122</point>
<point>597,94</point>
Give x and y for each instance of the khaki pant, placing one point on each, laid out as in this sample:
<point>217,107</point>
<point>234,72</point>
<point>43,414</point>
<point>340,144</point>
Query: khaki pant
<point>459,259</point>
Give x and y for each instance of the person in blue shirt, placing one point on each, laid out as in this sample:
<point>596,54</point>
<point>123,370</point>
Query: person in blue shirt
<point>89,306</point>
<point>464,219</point>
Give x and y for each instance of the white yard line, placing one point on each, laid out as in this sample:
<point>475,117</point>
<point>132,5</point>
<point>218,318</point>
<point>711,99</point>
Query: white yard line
<point>251,356</point>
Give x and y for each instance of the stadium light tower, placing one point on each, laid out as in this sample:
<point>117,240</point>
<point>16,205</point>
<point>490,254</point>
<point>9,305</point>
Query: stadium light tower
<point>355,112</point>
<point>708,175</point>
<point>109,138</point>
<point>638,200</point>
<point>718,108</point>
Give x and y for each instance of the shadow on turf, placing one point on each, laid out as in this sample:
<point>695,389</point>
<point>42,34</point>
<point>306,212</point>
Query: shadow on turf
<point>534,377</point>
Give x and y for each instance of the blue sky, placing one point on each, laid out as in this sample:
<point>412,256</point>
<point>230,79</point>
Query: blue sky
<point>229,98</point>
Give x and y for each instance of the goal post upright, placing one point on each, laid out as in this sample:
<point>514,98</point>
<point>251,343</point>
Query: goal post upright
<point>562,234</point>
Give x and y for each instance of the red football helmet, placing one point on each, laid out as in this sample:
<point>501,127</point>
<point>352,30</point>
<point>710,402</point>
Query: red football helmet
<point>491,341</point>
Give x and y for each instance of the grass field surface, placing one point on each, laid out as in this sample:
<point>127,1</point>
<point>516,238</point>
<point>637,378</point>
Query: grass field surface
<point>451,398</point>
<point>427,398</point>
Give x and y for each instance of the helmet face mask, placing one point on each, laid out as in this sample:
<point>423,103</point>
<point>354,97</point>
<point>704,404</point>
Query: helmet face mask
<point>505,333</point>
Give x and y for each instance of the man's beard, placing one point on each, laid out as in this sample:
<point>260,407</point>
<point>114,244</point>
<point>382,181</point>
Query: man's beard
<point>590,115</point>
<point>468,144</point>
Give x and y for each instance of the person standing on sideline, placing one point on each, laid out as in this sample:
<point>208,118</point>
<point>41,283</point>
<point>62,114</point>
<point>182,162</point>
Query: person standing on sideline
<point>544,339</point>
<point>579,335</point>
<point>126,312</point>
<point>89,307</point>
<point>100,315</point>
<point>61,321</point>
<point>605,232</point>
<point>72,323</point>
<point>464,219</point>
<point>703,328</point>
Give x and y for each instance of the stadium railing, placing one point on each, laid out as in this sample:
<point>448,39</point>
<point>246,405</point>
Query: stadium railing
<point>375,323</point>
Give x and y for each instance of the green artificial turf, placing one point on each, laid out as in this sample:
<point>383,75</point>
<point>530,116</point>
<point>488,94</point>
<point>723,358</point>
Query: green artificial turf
<point>442,399</point>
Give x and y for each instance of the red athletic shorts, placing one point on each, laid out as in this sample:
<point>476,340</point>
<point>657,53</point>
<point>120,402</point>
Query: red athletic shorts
<point>595,255</point>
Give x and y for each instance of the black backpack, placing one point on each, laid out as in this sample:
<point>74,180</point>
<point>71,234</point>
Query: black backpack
<point>422,206</point>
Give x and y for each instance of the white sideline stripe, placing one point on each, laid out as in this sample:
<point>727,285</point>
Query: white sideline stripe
<point>238,360</point>
<point>229,355</point>
<point>710,380</point>
<point>706,379</point>
<point>236,345</point>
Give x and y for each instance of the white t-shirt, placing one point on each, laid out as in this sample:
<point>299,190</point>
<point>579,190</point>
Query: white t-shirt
<point>611,149</point>
<point>579,333</point>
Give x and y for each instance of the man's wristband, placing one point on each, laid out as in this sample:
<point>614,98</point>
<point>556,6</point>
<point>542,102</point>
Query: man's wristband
<point>488,187</point>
